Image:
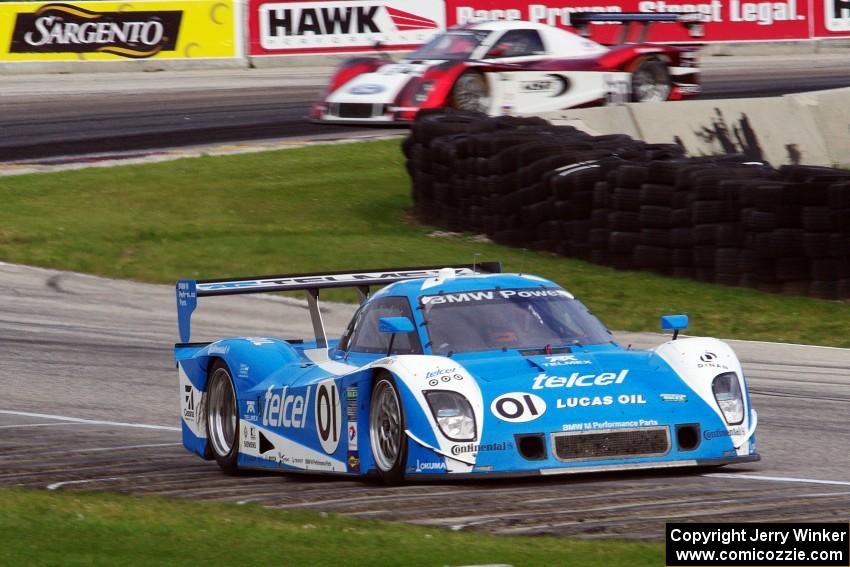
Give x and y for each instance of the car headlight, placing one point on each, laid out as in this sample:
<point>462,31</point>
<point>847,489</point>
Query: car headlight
<point>453,414</point>
<point>422,92</point>
<point>727,392</point>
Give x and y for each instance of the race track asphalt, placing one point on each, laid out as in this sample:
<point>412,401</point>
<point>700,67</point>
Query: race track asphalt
<point>90,401</point>
<point>58,115</point>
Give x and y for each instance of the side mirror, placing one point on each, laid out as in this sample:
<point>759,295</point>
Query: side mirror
<point>394,325</point>
<point>674,323</point>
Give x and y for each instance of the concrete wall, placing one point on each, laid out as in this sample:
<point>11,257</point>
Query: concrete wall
<point>810,128</point>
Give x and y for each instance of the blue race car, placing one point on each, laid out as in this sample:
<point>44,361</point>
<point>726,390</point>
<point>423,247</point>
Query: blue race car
<point>460,371</point>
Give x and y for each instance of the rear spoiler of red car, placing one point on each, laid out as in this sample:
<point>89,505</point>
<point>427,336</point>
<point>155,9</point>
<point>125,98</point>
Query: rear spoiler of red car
<point>188,291</point>
<point>691,20</point>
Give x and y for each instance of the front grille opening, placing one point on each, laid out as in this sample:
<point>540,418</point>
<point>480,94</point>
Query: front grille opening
<point>687,436</point>
<point>358,110</point>
<point>532,446</point>
<point>612,444</point>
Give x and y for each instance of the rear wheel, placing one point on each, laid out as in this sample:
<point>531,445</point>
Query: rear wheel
<point>386,430</point>
<point>470,92</point>
<point>222,417</point>
<point>651,81</point>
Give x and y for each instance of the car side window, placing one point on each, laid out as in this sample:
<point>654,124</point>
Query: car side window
<point>518,43</point>
<point>365,336</point>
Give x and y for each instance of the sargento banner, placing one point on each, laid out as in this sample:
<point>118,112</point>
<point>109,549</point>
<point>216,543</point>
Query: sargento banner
<point>113,31</point>
<point>327,26</point>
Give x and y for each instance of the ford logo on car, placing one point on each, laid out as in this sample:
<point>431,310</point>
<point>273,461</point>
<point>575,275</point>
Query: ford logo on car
<point>366,89</point>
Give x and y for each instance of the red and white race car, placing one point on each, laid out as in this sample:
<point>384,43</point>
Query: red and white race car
<point>515,67</point>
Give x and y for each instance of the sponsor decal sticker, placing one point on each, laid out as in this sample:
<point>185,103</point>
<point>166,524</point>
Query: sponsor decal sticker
<point>219,349</point>
<point>286,409</point>
<point>368,89</point>
<point>353,461</point>
<point>351,416</point>
<point>189,402</point>
<point>328,415</point>
<point>518,407</point>
<point>714,434</point>
<point>674,397</point>
<point>430,466</point>
<point>352,436</point>
<point>484,447</point>
<point>577,379</point>
<point>710,360</point>
<point>565,360</point>
<point>249,438</point>
<point>493,295</point>
<point>589,401</point>
<point>595,425</point>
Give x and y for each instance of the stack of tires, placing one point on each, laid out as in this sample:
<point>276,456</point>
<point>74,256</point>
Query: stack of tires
<point>622,202</point>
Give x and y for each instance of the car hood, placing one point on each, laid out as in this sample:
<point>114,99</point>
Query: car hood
<point>380,86</point>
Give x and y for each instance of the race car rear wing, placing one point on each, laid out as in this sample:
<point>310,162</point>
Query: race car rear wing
<point>188,291</point>
<point>691,20</point>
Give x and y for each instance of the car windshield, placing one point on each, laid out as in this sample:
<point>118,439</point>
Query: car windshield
<point>508,319</point>
<point>457,45</point>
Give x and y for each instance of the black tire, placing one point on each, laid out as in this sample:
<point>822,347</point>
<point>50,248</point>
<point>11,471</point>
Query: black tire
<point>651,81</point>
<point>387,439</point>
<point>222,417</point>
<point>470,92</point>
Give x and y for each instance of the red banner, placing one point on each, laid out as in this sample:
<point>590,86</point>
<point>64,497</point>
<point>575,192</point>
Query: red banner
<point>290,27</point>
<point>725,20</point>
<point>287,27</point>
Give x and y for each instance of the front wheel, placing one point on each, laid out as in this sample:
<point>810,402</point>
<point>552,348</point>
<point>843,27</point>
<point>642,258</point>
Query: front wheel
<point>386,430</point>
<point>651,81</point>
<point>222,417</point>
<point>471,92</point>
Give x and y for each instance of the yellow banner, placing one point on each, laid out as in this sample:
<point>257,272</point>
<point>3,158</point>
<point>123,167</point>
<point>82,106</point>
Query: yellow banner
<point>111,31</point>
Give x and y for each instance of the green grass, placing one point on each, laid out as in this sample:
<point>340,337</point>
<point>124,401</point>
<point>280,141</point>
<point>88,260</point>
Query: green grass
<point>330,208</point>
<point>41,528</point>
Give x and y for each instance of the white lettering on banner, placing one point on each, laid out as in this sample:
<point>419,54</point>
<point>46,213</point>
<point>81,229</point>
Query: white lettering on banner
<point>763,13</point>
<point>284,409</point>
<point>710,11</point>
<point>837,15</point>
<point>358,23</point>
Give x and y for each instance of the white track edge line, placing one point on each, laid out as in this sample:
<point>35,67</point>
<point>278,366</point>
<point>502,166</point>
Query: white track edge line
<point>89,421</point>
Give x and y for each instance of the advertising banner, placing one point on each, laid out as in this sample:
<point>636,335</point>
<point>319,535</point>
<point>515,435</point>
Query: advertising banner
<point>725,20</point>
<point>284,27</point>
<point>102,31</point>
<point>831,18</point>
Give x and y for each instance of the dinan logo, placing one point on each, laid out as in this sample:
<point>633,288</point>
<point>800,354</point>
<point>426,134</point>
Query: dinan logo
<point>65,28</point>
<point>310,25</point>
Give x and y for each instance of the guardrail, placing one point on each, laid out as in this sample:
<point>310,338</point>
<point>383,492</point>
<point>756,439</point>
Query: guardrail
<point>629,204</point>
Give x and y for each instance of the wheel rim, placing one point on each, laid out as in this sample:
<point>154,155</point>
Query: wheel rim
<point>470,93</point>
<point>385,426</point>
<point>648,88</point>
<point>221,413</point>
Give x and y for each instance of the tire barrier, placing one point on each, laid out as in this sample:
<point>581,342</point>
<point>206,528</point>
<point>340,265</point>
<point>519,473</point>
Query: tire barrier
<point>629,204</point>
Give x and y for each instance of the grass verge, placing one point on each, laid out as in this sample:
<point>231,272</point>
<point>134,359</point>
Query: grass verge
<point>41,528</point>
<point>331,208</point>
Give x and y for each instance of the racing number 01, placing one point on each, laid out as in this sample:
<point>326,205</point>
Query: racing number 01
<point>518,407</point>
<point>328,415</point>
